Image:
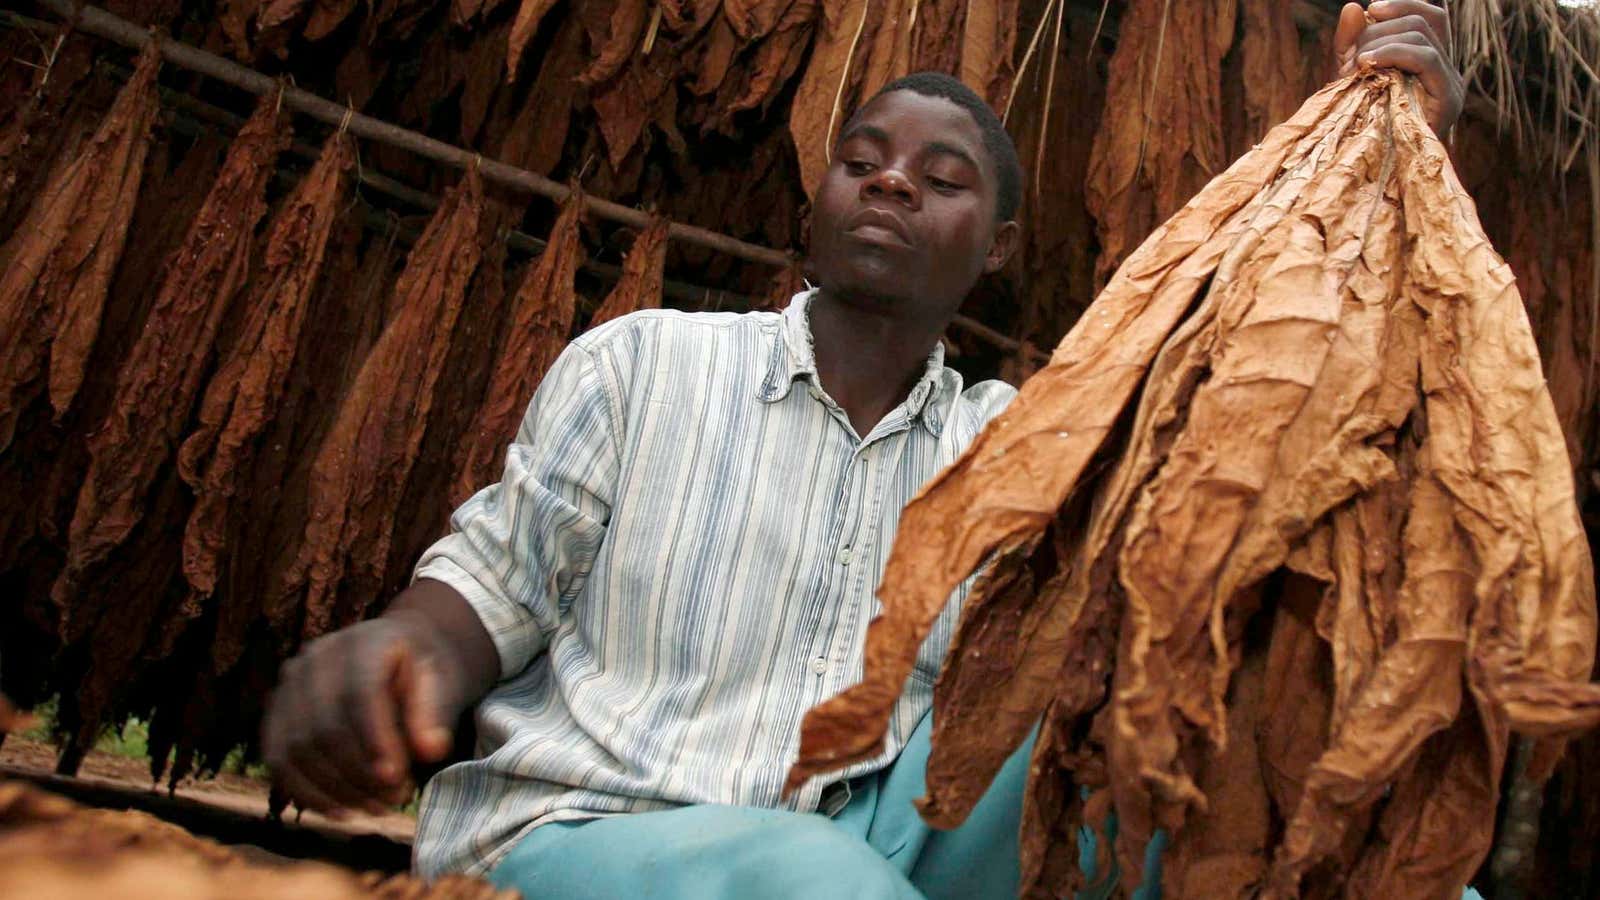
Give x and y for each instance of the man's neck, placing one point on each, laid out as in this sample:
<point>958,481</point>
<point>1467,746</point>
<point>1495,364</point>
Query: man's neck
<point>869,355</point>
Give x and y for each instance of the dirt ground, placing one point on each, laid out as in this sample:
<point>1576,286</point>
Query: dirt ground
<point>234,792</point>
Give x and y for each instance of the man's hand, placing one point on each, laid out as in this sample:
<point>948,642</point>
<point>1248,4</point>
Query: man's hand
<point>1412,36</point>
<point>356,708</point>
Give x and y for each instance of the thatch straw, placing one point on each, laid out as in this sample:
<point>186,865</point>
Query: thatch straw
<point>1536,61</point>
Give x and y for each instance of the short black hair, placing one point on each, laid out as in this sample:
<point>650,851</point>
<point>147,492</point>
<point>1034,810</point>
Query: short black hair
<point>996,142</point>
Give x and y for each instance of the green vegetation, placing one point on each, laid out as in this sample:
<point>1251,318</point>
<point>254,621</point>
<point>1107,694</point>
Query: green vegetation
<point>132,740</point>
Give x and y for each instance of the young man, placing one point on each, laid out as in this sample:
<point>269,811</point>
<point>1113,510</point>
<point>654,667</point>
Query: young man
<point>681,556</point>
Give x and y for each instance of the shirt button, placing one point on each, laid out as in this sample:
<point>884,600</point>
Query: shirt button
<point>819,665</point>
<point>844,557</point>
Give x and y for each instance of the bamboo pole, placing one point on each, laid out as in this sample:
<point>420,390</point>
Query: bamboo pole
<point>98,22</point>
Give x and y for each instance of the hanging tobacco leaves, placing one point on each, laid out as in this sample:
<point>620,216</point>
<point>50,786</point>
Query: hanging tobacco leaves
<point>640,284</point>
<point>1318,371</point>
<point>61,259</point>
<point>362,465</point>
<point>242,398</point>
<point>819,102</point>
<point>162,373</point>
<point>537,330</point>
<point>1161,138</point>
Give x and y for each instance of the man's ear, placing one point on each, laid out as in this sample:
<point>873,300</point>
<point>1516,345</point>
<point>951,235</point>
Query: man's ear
<point>1006,238</point>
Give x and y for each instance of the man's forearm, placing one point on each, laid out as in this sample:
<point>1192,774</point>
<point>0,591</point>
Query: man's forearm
<point>448,616</point>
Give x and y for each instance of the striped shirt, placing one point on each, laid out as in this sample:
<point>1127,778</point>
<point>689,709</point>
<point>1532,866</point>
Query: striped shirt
<point>678,562</point>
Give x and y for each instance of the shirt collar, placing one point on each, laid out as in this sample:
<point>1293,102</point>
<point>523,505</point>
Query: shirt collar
<point>793,358</point>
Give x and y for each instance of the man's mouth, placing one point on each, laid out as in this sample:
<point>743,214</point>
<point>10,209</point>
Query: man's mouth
<point>879,226</point>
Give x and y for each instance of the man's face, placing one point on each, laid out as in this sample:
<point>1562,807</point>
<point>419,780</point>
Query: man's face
<point>906,212</point>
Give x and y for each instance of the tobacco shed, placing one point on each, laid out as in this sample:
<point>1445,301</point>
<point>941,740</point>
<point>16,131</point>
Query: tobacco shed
<point>242,240</point>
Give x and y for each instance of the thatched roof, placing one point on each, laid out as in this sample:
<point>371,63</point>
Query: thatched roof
<point>1536,62</point>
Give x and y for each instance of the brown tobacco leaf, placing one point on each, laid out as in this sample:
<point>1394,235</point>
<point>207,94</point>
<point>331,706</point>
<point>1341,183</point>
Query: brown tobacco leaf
<point>889,52</point>
<point>242,398</point>
<point>529,14</point>
<point>1161,138</point>
<point>539,325</point>
<point>642,270</point>
<point>717,50</point>
<point>362,466</point>
<point>784,285</point>
<point>986,43</point>
<point>777,58</point>
<point>1269,46</point>
<point>755,19</point>
<point>58,265</point>
<point>628,20</point>
<point>627,104</point>
<point>162,374</point>
<point>1335,378</point>
<point>818,109</point>
<point>235,17</point>
<point>537,134</point>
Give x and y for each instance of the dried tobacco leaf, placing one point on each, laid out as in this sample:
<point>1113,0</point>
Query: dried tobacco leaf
<point>60,261</point>
<point>753,20</point>
<point>463,381</point>
<point>627,104</point>
<point>161,376</point>
<point>628,20</point>
<point>777,58</point>
<point>789,281</point>
<point>362,465</point>
<point>242,398</point>
<point>818,108</point>
<point>717,49</point>
<point>1347,388</point>
<point>642,270</point>
<point>1269,46</point>
<point>540,324</point>
<point>538,134</point>
<point>888,53</point>
<point>984,43</point>
<point>1167,69</point>
<point>529,14</point>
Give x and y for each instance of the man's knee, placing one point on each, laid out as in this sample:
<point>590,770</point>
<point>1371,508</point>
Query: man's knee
<point>806,857</point>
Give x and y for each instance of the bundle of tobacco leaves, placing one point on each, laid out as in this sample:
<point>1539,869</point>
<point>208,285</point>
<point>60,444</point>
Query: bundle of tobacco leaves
<point>1283,543</point>
<point>539,326</point>
<point>361,468</point>
<point>640,284</point>
<point>162,375</point>
<point>243,398</point>
<point>58,265</point>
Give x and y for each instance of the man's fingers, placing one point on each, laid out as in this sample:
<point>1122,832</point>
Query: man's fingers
<point>1352,19</point>
<point>374,711</point>
<point>417,687</point>
<point>1436,16</point>
<point>1418,57</point>
<point>1406,25</point>
<point>330,788</point>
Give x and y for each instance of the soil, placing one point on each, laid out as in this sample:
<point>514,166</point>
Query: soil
<point>236,793</point>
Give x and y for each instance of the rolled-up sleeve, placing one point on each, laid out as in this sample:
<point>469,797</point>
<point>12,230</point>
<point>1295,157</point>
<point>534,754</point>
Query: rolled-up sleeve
<point>520,550</point>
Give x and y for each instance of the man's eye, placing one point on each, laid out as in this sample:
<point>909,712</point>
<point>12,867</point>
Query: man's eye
<point>939,184</point>
<point>857,166</point>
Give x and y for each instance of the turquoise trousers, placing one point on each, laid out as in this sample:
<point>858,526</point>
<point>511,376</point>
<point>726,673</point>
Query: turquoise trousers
<point>876,848</point>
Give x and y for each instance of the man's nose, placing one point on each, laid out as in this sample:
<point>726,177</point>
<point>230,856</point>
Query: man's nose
<point>891,183</point>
